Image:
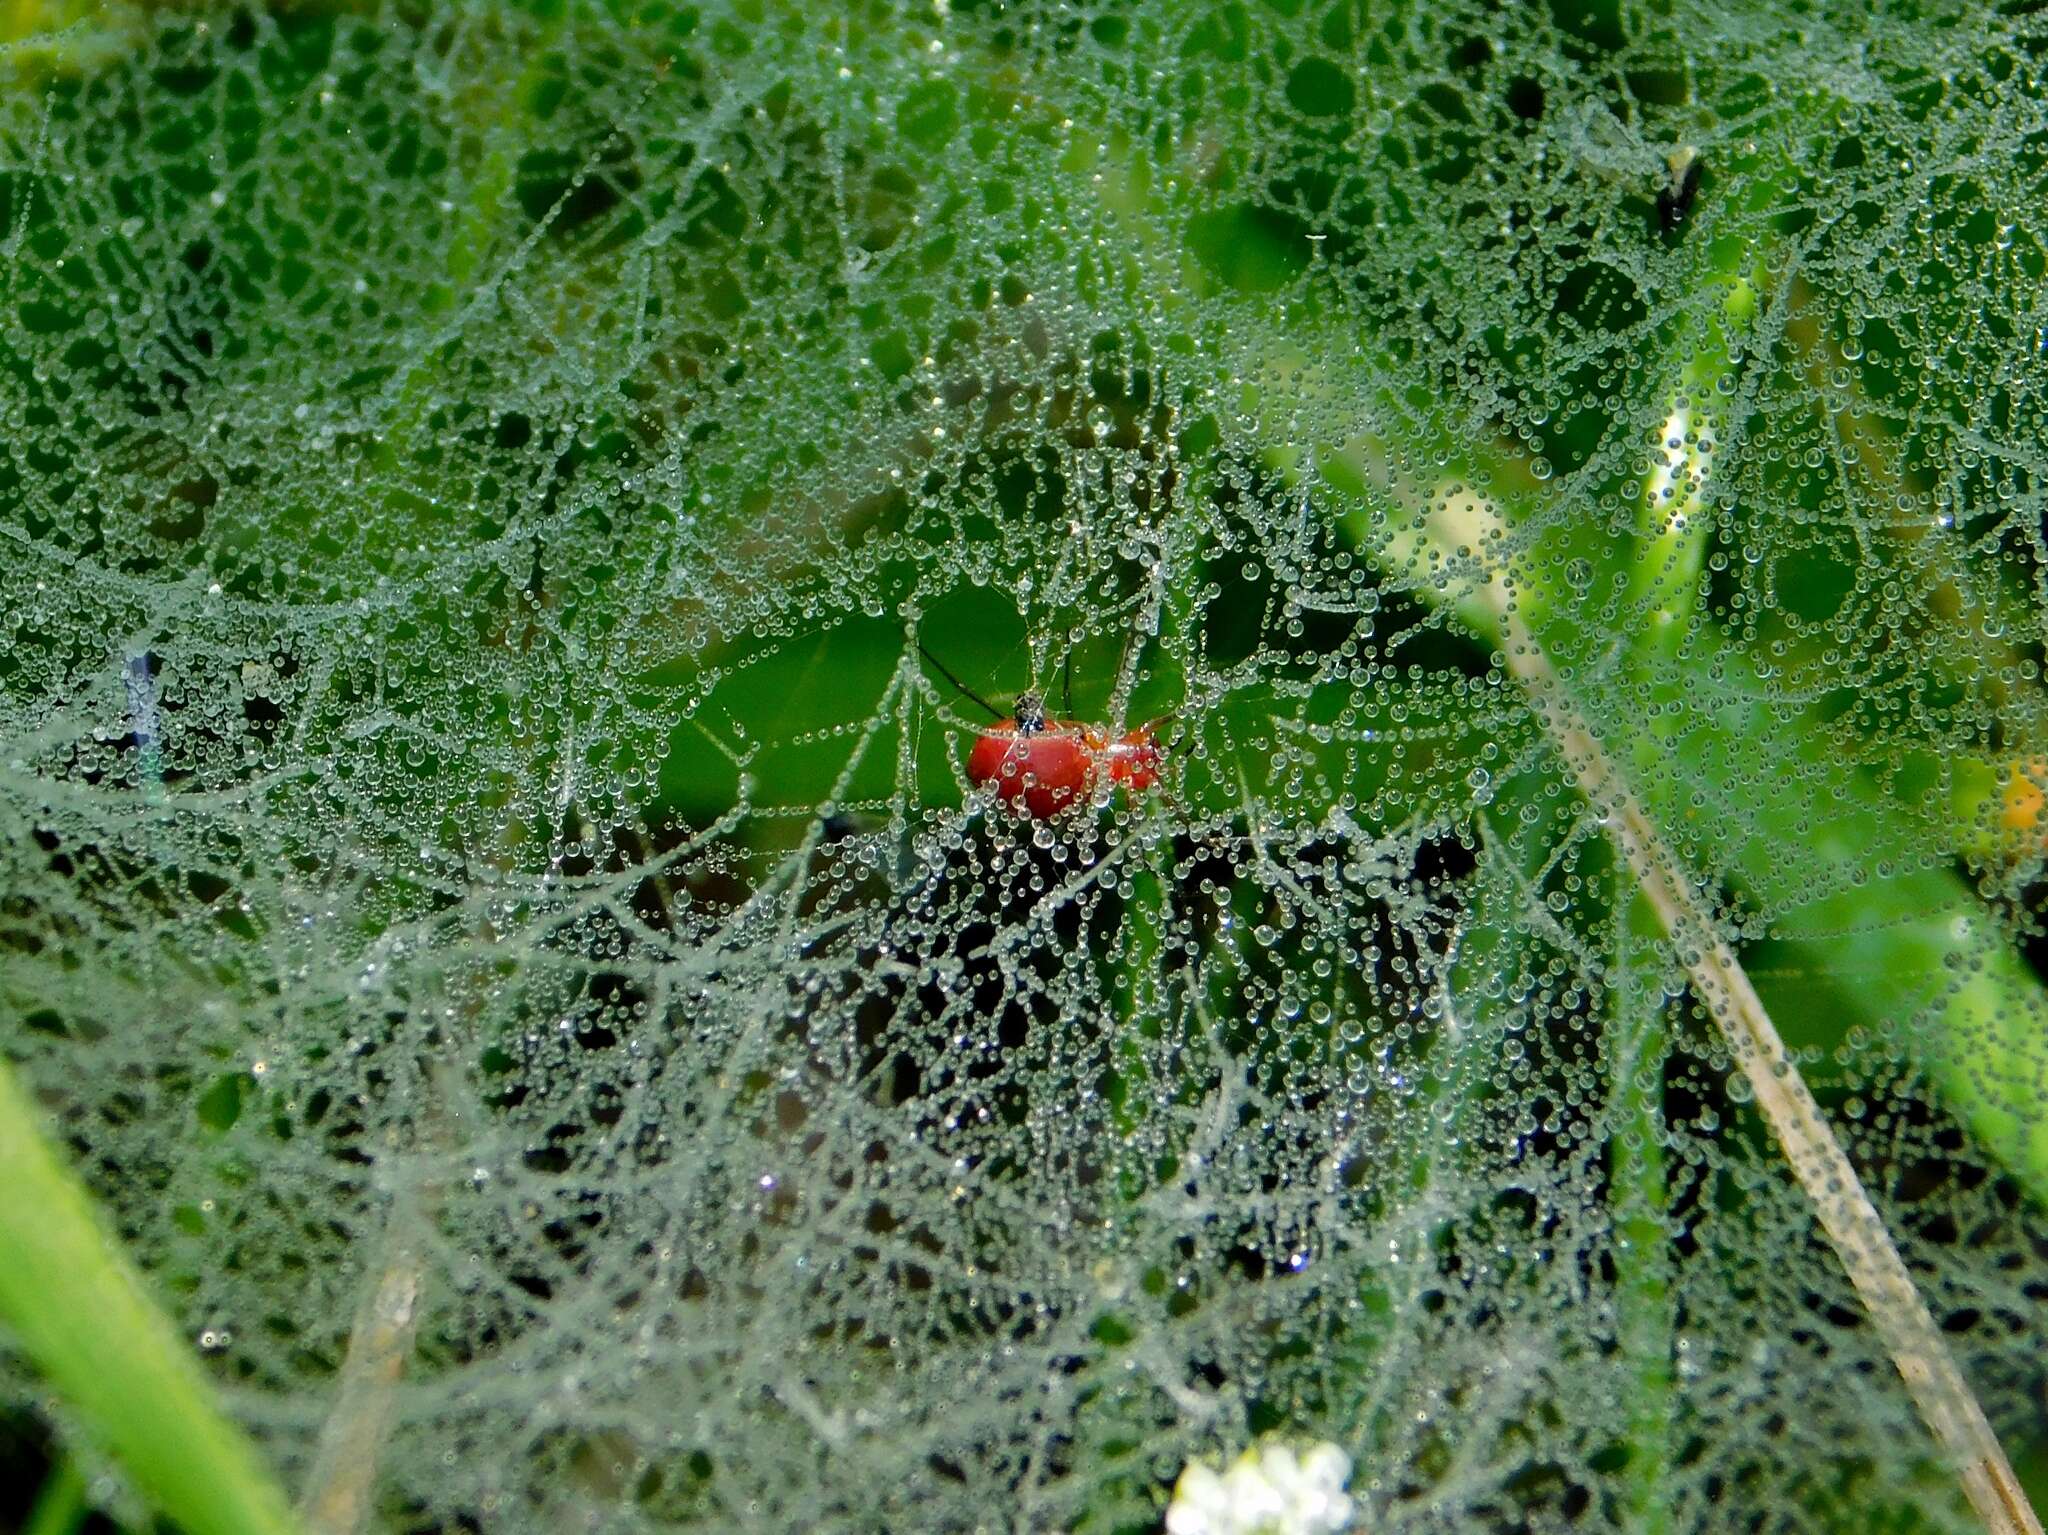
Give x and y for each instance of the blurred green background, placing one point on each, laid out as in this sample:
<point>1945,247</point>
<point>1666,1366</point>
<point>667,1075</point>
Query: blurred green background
<point>458,456</point>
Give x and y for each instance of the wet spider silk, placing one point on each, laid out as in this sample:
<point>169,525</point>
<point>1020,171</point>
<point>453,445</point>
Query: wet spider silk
<point>468,785</point>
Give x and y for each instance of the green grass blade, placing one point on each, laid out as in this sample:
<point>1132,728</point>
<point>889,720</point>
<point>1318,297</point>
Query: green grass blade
<point>60,1503</point>
<point>79,1312</point>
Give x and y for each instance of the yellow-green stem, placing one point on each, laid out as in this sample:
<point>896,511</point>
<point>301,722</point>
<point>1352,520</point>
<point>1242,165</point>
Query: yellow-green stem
<point>78,1310</point>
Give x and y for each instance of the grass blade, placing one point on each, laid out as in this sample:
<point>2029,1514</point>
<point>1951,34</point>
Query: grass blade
<point>78,1310</point>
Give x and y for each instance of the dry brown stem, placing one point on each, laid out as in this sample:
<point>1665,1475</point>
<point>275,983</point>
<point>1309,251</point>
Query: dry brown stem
<point>1853,1225</point>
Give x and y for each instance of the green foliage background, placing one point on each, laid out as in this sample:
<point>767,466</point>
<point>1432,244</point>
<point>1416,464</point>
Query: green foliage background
<point>474,480</point>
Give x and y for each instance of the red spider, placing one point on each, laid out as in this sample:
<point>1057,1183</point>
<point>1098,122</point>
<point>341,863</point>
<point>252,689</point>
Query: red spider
<point>1040,765</point>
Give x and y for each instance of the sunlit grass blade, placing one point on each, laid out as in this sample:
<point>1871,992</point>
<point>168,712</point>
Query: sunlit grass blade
<point>78,1310</point>
<point>60,1502</point>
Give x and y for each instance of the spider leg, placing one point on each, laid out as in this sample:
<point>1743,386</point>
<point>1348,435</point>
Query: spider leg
<point>962,688</point>
<point>1125,680</point>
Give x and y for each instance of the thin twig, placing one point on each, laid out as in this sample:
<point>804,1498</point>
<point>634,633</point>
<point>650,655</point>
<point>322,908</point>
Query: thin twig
<point>339,1489</point>
<point>1858,1233</point>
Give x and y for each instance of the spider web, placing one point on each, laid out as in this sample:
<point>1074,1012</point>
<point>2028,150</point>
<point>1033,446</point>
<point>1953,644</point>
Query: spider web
<point>472,805</point>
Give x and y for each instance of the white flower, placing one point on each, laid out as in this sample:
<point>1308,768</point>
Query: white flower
<point>1269,1490</point>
